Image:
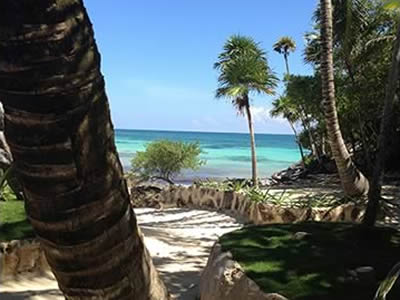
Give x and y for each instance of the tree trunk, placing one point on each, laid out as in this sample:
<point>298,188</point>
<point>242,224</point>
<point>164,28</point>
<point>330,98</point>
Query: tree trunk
<point>298,142</point>
<point>252,145</point>
<point>314,149</point>
<point>391,97</point>
<point>59,130</point>
<point>285,55</point>
<point>323,142</point>
<point>353,181</point>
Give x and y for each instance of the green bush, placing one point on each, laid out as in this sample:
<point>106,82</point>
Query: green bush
<point>166,159</point>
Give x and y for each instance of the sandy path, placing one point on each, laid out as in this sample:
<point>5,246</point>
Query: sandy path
<point>178,239</point>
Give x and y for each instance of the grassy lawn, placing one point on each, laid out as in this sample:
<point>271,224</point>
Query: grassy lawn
<point>311,268</point>
<point>13,222</point>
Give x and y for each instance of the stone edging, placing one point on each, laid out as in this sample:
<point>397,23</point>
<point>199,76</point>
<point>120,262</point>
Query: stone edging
<point>24,256</point>
<point>253,212</point>
<point>224,279</point>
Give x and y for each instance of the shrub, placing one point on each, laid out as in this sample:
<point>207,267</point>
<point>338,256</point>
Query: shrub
<point>164,159</point>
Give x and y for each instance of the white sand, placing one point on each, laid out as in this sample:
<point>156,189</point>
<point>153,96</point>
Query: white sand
<point>178,239</point>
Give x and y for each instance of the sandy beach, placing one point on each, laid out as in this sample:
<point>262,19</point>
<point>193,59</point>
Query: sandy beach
<point>179,241</point>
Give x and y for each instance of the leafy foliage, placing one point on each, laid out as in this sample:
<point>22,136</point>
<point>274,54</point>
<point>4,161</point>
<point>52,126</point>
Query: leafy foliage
<point>164,159</point>
<point>364,33</point>
<point>285,45</point>
<point>243,70</point>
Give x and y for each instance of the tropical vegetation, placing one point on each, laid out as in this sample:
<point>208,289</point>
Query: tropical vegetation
<point>243,70</point>
<point>348,109</point>
<point>61,147</point>
<point>285,45</point>
<point>166,159</point>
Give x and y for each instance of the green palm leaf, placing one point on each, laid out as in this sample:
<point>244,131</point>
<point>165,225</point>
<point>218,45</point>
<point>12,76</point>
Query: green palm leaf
<point>391,4</point>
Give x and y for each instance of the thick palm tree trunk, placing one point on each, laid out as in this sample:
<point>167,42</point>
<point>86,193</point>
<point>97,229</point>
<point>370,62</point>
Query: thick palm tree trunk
<point>59,130</point>
<point>252,146</point>
<point>353,181</point>
<point>374,194</point>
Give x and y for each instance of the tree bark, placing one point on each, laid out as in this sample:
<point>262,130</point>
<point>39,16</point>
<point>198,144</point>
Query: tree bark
<point>307,127</point>
<point>374,194</point>
<point>61,137</point>
<point>252,145</point>
<point>285,55</point>
<point>353,181</point>
<point>298,142</point>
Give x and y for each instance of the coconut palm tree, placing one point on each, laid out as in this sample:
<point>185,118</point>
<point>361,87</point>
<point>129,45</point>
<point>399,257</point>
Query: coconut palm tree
<point>60,134</point>
<point>353,181</point>
<point>244,70</point>
<point>281,107</point>
<point>284,46</point>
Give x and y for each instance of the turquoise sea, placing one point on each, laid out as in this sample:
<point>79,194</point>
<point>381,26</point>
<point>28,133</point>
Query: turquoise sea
<point>227,154</point>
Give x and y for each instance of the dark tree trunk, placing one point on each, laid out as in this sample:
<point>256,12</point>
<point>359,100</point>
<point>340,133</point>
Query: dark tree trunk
<point>374,194</point>
<point>59,130</point>
<point>285,55</point>
<point>353,181</point>
<point>307,127</point>
<point>298,142</point>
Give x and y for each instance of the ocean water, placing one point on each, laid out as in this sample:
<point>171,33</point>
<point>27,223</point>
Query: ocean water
<point>227,154</point>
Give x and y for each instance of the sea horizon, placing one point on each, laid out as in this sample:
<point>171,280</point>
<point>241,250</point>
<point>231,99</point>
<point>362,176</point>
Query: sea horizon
<point>200,131</point>
<point>227,154</point>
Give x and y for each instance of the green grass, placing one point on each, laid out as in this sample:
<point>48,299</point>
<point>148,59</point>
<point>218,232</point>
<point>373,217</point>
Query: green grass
<point>310,269</point>
<point>13,222</point>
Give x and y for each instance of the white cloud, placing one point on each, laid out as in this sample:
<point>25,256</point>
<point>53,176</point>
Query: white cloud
<point>261,115</point>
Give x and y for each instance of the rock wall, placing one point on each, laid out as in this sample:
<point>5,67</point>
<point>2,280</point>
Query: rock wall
<point>25,256</point>
<point>224,279</point>
<point>253,212</point>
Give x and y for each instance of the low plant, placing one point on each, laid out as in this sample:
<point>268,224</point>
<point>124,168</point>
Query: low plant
<point>165,159</point>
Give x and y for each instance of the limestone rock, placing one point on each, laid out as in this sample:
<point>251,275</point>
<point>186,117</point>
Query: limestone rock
<point>25,256</point>
<point>240,205</point>
<point>224,279</point>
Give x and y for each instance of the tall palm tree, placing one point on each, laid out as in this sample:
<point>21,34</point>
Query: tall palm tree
<point>284,46</point>
<point>281,107</point>
<point>353,181</point>
<point>374,194</point>
<point>244,70</point>
<point>59,130</point>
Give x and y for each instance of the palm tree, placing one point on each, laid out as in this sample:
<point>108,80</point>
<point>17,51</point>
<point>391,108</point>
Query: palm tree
<point>353,181</point>
<point>281,107</point>
<point>243,70</point>
<point>60,134</point>
<point>374,194</point>
<point>284,46</point>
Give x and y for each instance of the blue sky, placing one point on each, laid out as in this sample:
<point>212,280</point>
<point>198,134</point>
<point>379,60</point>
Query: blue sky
<point>157,57</point>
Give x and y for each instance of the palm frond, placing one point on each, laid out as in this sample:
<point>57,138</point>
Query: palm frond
<point>391,4</point>
<point>285,45</point>
<point>243,69</point>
